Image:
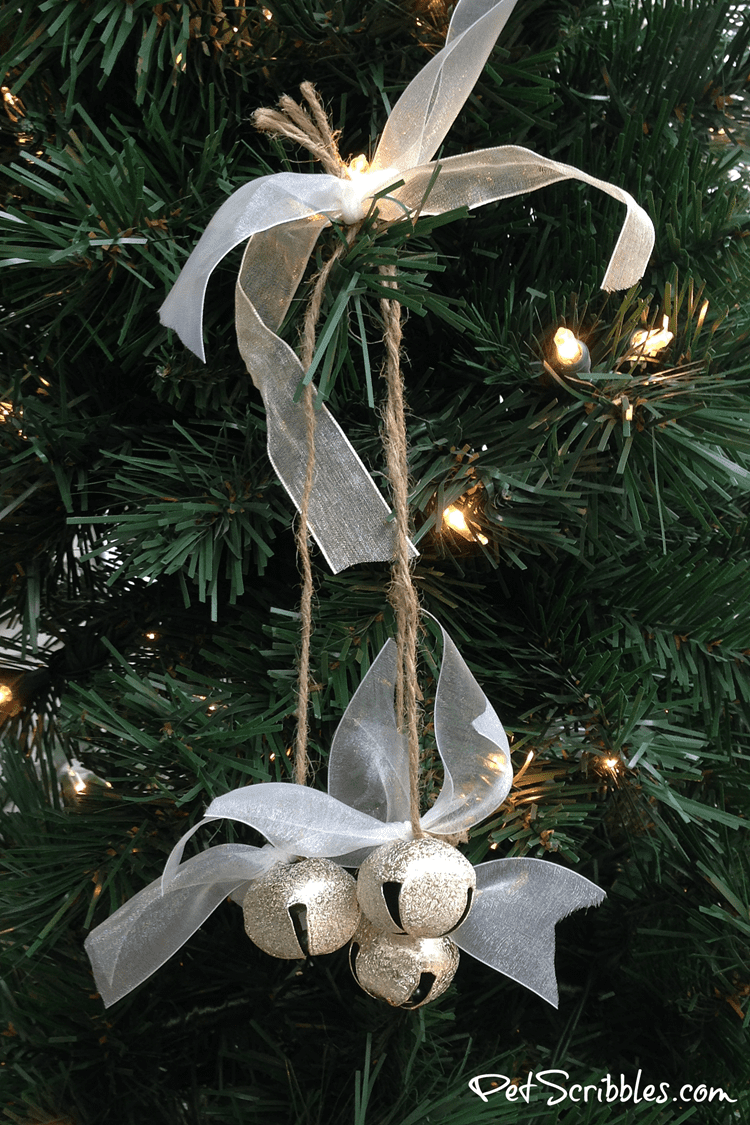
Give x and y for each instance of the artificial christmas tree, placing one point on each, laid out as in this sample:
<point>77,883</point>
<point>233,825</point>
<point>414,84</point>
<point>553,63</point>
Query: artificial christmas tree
<point>583,536</point>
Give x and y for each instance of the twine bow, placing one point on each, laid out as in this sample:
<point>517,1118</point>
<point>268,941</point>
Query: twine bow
<point>511,923</point>
<point>282,216</point>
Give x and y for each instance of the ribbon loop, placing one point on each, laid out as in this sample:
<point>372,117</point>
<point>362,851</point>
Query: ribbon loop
<point>368,766</point>
<point>429,105</point>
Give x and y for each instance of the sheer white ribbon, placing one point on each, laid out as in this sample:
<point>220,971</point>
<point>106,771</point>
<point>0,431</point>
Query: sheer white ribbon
<point>282,216</point>
<point>511,923</point>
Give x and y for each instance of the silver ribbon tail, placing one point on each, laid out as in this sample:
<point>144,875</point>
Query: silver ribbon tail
<point>511,926</point>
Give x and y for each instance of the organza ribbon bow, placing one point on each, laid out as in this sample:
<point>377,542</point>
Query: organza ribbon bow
<point>511,923</point>
<point>282,216</point>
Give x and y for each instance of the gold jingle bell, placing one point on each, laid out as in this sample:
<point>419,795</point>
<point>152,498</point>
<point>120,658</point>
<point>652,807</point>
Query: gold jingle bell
<point>301,909</point>
<point>405,971</point>
<point>423,887</point>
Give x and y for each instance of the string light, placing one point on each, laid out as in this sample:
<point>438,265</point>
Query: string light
<point>567,346</point>
<point>358,165</point>
<point>571,354</point>
<point>81,780</point>
<point>6,694</point>
<point>14,107</point>
<point>267,13</point>
<point>78,783</point>
<point>647,343</point>
<point>454,518</point>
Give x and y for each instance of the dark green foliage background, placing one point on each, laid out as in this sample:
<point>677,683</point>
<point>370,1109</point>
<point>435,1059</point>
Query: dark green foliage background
<point>607,615</point>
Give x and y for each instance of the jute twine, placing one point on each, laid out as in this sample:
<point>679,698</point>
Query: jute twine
<point>311,129</point>
<point>402,593</point>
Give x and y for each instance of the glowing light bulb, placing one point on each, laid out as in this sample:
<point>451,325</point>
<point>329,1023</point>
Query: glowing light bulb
<point>5,693</point>
<point>569,349</point>
<point>151,636</point>
<point>455,519</point>
<point>358,165</point>
<point>648,343</point>
<point>612,764</point>
<point>78,783</point>
<point>12,102</point>
<point>570,353</point>
<point>267,13</point>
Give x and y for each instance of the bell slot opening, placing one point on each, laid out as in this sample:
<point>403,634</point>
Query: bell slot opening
<point>391,892</point>
<point>421,992</point>
<point>298,916</point>
<point>467,908</point>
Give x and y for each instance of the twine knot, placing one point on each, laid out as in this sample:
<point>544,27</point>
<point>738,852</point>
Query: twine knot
<point>311,129</point>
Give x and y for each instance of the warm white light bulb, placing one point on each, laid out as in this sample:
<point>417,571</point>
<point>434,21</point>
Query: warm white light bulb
<point>455,519</point>
<point>650,342</point>
<point>568,348</point>
<point>358,165</point>
<point>78,783</point>
<point>5,693</point>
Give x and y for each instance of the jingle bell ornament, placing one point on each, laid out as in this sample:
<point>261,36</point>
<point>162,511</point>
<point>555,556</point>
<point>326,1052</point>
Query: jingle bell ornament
<point>301,909</point>
<point>422,887</point>
<point>405,971</point>
<point>511,926</point>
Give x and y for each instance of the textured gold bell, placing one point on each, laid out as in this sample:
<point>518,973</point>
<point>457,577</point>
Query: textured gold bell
<point>301,909</point>
<point>407,972</point>
<point>423,887</point>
